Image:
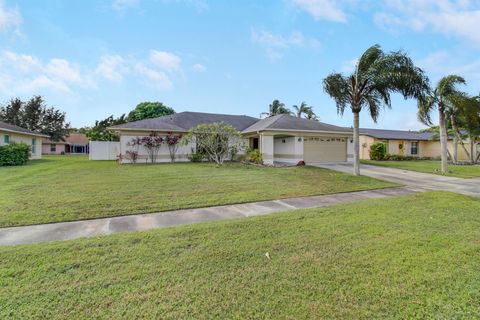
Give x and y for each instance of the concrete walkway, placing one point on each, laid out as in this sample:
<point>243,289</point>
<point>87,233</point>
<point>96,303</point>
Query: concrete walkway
<point>425,181</point>
<point>97,227</point>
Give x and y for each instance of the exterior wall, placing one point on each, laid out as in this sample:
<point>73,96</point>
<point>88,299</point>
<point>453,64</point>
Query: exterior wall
<point>350,149</point>
<point>59,148</point>
<point>267,148</point>
<point>104,150</point>
<point>432,149</point>
<point>429,149</point>
<point>36,153</point>
<point>288,149</point>
<point>365,143</point>
<point>163,154</point>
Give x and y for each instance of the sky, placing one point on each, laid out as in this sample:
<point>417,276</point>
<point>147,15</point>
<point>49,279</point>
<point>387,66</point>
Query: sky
<point>93,59</point>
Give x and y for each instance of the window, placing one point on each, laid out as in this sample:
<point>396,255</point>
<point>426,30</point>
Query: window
<point>6,139</point>
<point>414,148</point>
<point>34,144</point>
<point>53,147</point>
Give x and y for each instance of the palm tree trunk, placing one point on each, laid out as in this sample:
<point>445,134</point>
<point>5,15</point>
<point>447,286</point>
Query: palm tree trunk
<point>472,149</point>
<point>356,143</point>
<point>443,139</point>
<point>455,141</point>
<point>458,139</point>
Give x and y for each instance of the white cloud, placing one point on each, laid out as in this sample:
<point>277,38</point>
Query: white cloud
<point>452,18</point>
<point>27,74</point>
<point>112,67</point>
<point>10,19</point>
<point>122,5</point>
<point>166,61</point>
<point>349,66</point>
<point>199,67</point>
<point>275,44</point>
<point>322,9</point>
<point>154,78</point>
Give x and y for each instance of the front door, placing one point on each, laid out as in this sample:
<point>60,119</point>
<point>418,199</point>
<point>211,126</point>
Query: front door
<point>401,148</point>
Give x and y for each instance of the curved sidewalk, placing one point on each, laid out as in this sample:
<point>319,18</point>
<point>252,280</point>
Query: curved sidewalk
<point>105,226</point>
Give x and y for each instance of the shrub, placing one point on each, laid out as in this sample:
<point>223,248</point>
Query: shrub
<point>14,154</point>
<point>196,156</point>
<point>255,156</point>
<point>378,151</point>
<point>301,163</point>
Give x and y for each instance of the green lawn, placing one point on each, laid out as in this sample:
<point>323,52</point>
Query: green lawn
<point>427,166</point>
<point>72,188</point>
<point>415,256</point>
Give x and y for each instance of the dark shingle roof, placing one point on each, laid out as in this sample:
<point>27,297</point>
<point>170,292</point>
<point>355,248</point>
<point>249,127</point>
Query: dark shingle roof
<point>397,134</point>
<point>183,121</point>
<point>13,128</point>
<point>289,122</point>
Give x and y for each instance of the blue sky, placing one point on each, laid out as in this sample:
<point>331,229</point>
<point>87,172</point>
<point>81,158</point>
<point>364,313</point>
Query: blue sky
<point>97,58</point>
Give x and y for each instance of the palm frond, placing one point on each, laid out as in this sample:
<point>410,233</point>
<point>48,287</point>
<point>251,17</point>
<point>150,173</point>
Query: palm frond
<point>339,88</point>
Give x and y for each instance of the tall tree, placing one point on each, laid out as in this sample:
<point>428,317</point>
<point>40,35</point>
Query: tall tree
<point>467,118</point>
<point>99,131</point>
<point>34,115</point>
<point>12,112</point>
<point>276,108</point>
<point>377,75</point>
<point>305,110</point>
<point>147,110</point>
<point>442,98</point>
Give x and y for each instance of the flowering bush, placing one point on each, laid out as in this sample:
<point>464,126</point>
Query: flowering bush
<point>173,141</point>
<point>152,144</point>
<point>301,163</point>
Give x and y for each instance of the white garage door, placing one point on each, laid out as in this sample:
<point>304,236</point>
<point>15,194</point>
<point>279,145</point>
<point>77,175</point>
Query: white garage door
<point>324,149</point>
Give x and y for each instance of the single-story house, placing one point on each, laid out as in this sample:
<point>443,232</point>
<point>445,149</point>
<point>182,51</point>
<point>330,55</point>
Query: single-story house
<point>407,143</point>
<point>10,133</point>
<point>75,143</point>
<point>282,138</point>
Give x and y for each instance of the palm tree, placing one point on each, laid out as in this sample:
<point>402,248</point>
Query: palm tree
<point>305,109</point>
<point>442,97</point>
<point>377,75</point>
<point>276,108</point>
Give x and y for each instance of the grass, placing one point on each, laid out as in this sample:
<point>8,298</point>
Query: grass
<point>407,257</point>
<point>428,166</point>
<point>72,188</point>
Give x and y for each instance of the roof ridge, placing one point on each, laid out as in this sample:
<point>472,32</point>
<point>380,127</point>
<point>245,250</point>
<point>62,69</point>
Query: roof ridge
<point>279,116</point>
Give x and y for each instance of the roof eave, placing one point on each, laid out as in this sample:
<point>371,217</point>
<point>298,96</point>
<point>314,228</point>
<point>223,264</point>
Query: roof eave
<point>25,133</point>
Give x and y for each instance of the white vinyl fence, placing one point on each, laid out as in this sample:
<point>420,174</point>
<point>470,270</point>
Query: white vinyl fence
<point>104,150</point>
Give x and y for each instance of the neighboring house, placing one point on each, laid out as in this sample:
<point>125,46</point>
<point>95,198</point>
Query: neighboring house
<point>282,138</point>
<point>75,143</point>
<point>407,143</point>
<point>10,133</point>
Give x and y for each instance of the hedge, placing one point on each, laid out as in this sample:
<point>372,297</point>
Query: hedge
<point>14,154</point>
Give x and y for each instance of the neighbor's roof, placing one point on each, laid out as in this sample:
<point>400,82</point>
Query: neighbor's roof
<point>397,134</point>
<point>184,121</point>
<point>16,129</point>
<point>77,138</point>
<point>286,122</point>
<point>73,138</point>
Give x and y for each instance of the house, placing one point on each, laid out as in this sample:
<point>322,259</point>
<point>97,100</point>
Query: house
<point>10,133</point>
<point>282,138</point>
<point>407,143</point>
<point>75,143</point>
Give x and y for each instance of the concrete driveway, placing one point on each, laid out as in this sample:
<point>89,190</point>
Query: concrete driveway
<point>425,181</point>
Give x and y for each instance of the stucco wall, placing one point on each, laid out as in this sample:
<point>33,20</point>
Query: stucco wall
<point>288,149</point>
<point>27,139</point>
<point>59,148</point>
<point>163,154</point>
<point>365,143</point>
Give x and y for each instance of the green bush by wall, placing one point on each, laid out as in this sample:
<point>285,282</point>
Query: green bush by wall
<point>14,154</point>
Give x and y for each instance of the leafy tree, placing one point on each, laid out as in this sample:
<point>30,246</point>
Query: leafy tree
<point>306,110</point>
<point>442,98</point>
<point>467,118</point>
<point>276,108</point>
<point>173,142</point>
<point>99,131</point>
<point>217,140</point>
<point>34,115</point>
<point>147,110</point>
<point>152,144</point>
<point>377,75</point>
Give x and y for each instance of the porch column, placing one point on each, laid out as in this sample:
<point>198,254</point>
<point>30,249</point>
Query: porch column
<point>266,148</point>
